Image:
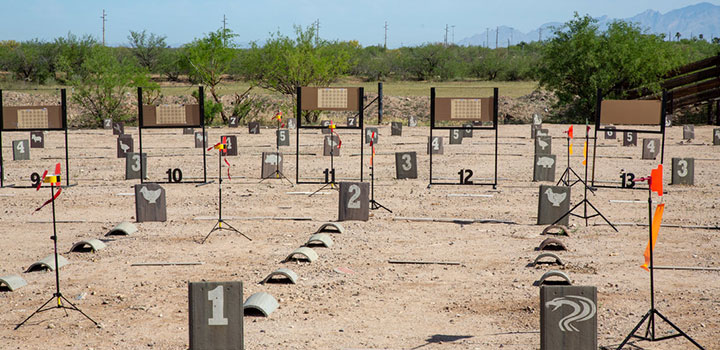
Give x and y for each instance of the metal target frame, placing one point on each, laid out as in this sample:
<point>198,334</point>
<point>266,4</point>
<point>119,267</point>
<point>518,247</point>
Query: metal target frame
<point>599,127</point>
<point>63,127</point>
<point>473,127</point>
<point>201,124</point>
<point>360,125</point>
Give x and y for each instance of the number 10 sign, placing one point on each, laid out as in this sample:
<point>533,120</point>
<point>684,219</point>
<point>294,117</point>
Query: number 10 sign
<point>216,315</point>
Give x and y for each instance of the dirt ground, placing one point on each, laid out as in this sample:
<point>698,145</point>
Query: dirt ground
<point>486,302</point>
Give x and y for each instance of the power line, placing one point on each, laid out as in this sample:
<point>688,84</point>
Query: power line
<point>104,19</point>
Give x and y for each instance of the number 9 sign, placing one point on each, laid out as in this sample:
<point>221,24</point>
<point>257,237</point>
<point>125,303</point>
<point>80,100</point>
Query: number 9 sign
<point>216,315</point>
<point>353,201</point>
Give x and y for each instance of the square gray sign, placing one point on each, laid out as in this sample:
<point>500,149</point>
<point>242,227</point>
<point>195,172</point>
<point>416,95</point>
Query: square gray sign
<point>150,204</point>
<point>543,145</point>
<point>456,136</point>
<point>629,138</point>
<point>716,137</point>
<point>270,162</point>
<point>199,141</point>
<point>436,145</point>
<point>467,130</point>
<point>369,132</point>
<point>21,150</point>
<point>553,202</point>
<point>37,139</point>
<point>683,171</point>
<point>118,128</point>
<point>610,133</point>
<point>253,128</point>
<point>568,317</point>
<point>124,145</point>
<point>395,129</point>
<point>282,137</point>
<point>216,315</point>
<point>132,166</point>
<point>405,165</point>
<point>688,132</point>
<point>354,201</point>
<point>231,145</point>
<point>330,144</point>
<point>544,168</point>
<point>651,148</point>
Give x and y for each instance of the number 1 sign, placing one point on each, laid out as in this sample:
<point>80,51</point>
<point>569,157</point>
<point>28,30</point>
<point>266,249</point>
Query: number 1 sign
<point>216,315</point>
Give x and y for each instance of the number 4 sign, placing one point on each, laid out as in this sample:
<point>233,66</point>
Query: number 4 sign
<point>216,315</point>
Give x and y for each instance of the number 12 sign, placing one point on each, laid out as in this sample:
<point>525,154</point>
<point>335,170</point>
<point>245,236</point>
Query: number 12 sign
<point>216,315</point>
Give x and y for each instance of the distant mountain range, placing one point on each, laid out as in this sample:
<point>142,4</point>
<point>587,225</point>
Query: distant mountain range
<point>689,21</point>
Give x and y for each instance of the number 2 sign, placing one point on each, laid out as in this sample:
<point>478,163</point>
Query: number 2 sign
<point>354,201</point>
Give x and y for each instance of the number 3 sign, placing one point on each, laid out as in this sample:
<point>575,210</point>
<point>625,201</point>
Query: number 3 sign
<point>216,315</point>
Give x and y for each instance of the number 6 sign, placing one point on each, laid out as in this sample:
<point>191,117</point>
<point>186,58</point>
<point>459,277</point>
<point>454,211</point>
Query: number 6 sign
<point>354,203</point>
<point>216,315</point>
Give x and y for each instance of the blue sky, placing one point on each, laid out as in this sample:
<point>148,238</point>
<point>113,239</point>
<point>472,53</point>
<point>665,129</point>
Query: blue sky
<point>410,22</point>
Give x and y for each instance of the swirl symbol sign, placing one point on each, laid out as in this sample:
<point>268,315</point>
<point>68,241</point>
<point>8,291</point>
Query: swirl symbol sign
<point>583,309</point>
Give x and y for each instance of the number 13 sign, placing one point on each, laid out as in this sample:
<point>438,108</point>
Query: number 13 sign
<point>216,315</point>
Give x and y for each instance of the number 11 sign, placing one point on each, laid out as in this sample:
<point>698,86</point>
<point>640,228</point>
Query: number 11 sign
<point>216,315</point>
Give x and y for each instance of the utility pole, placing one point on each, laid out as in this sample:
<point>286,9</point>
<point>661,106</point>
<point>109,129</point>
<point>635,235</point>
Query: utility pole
<point>497,30</point>
<point>224,28</point>
<point>317,31</point>
<point>487,37</point>
<point>386,27</point>
<point>104,19</point>
<point>511,37</point>
<point>446,35</point>
<point>453,34</point>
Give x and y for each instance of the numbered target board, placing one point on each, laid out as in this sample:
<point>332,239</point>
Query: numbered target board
<point>231,145</point>
<point>325,127</point>
<point>395,129</point>
<point>716,137</point>
<point>610,133</point>
<point>216,315</point>
<point>354,201</point>
<point>254,128</point>
<point>435,144</point>
<point>282,137</point>
<point>553,202</point>
<point>467,130</point>
<point>118,128</point>
<point>456,136</point>
<point>543,145</point>
<point>544,168</point>
<point>233,121</point>
<point>21,150</point>
<point>107,124</point>
<point>124,145</point>
<point>688,132</point>
<point>405,165</point>
<point>271,162</point>
<point>352,121</point>
<point>37,139</point>
<point>629,138</point>
<point>188,131</point>
<point>683,171</point>
<point>651,148</point>
<point>133,166</point>
<point>200,141</point>
<point>371,134</point>
<point>330,146</point>
<point>150,204</point>
<point>568,317</point>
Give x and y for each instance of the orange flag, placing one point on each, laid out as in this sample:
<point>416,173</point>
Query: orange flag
<point>656,180</point>
<point>657,219</point>
<point>584,153</point>
<point>570,132</point>
<point>570,149</point>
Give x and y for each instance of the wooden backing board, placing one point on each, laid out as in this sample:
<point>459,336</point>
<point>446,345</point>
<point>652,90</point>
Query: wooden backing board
<point>31,118</point>
<point>631,112</point>
<point>460,108</point>
<point>171,115</point>
<point>330,99</point>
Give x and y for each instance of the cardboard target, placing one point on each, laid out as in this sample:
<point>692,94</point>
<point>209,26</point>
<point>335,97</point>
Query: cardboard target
<point>325,127</point>
<point>200,141</point>
<point>435,144</point>
<point>21,150</point>
<point>233,121</point>
<point>270,162</point>
<point>560,328</point>
<point>216,315</point>
<point>412,121</point>
<point>456,136</point>
<point>188,131</point>
<point>369,135</point>
<point>330,145</point>
<point>544,168</point>
<point>132,166</point>
<point>37,139</point>
<point>354,201</point>
<point>352,121</point>
<point>683,171</point>
<point>118,128</point>
<point>467,130</point>
<point>716,137</point>
<point>231,146</point>
<point>395,129</point>
<point>254,128</point>
<point>107,124</point>
<point>124,145</point>
<point>610,133</point>
<point>688,132</point>
<point>651,148</point>
<point>283,137</point>
<point>150,203</point>
<point>629,138</point>
<point>291,123</point>
<point>543,145</point>
<point>553,202</point>
<point>405,165</point>
<point>329,98</point>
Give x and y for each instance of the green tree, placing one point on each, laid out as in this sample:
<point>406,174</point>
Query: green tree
<point>107,81</point>
<point>580,59</point>
<point>147,48</point>
<point>170,63</point>
<point>428,62</point>
<point>32,61</point>
<point>72,53</point>
<point>207,59</point>
<point>284,63</point>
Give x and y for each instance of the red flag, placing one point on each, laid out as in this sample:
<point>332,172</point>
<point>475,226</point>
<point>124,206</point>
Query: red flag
<point>372,137</point>
<point>58,170</point>
<point>570,132</point>
<point>656,180</point>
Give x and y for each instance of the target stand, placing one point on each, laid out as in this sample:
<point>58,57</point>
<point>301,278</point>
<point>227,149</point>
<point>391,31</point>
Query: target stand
<point>222,150</point>
<point>34,119</point>
<point>277,174</point>
<point>374,205</point>
<point>633,113</point>
<point>57,297</point>
<point>328,99</point>
<point>569,177</point>
<point>654,185</point>
<point>330,172</point>
<point>172,117</point>
<point>456,109</point>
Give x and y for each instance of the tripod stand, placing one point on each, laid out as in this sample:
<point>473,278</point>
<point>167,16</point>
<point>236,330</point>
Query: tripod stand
<point>585,202</point>
<point>329,173</point>
<point>57,295</point>
<point>277,173</point>
<point>374,205</point>
<point>219,224</point>
<point>565,177</point>
<point>650,334</point>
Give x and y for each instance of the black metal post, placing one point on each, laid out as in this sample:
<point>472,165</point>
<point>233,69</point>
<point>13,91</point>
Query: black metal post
<point>495,123</point>
<point>54,239</point>
<point>2,126</point>
<point>298,113</point>
<point>361,107</point>
<point>140,126</point>
<point>220,180</point>
<point>662,125</point>
<point>201,95</point>
<point>380,102</point>
<point>598,103</point>
<point>63,108</point>
<point>432,125</point>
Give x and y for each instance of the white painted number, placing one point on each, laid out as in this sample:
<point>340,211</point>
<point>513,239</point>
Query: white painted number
<point>651,146</point>
<point>136,166</point>
<point>456,134</point>
<point>21,147</point>
<point>629,137</point>
<point>406,162</point>
<point>229,144</point>
<point>233,120</point>
<point>216,297</point>
<point>682,168</point>
<point>354,203</point>
<point>609,133</point>
<point>436,144</point>
<point>282,136</point>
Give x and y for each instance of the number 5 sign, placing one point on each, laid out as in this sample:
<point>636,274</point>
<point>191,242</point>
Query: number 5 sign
<point>216,315</point>
<point>354,203</point>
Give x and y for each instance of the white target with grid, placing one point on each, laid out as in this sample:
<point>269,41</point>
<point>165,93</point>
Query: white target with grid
<point>170,114</point>
<point>332,98</point>
<point>466,108</point>
<point>32,118</point>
